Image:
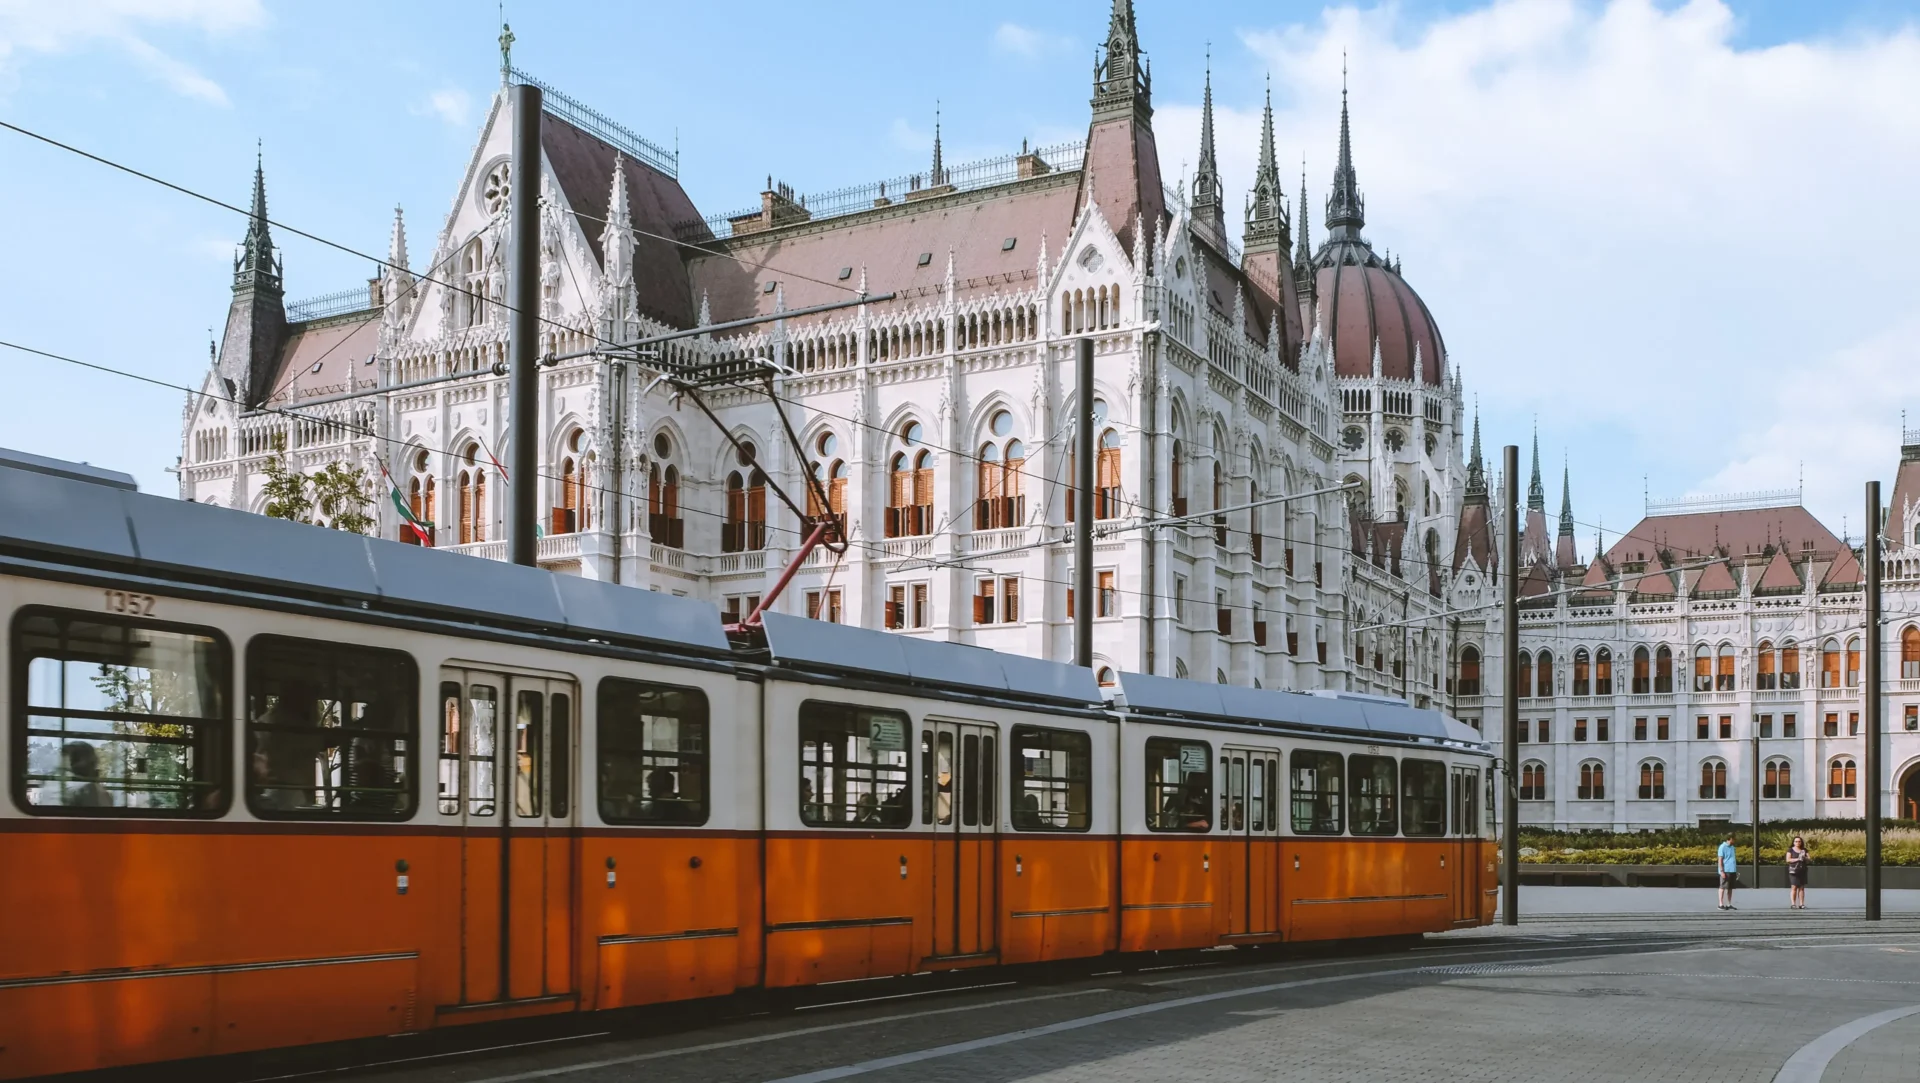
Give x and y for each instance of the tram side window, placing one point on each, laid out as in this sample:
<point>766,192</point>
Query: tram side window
<point>1317,808</point>
<point>1423,798</point>
<point>1052,772</point>
<point>330,730</point>
<point>853,766</point>
<point>1179,788</point>
<point>1371,778</point>
<point>119,718</point>
<point>653,753</point>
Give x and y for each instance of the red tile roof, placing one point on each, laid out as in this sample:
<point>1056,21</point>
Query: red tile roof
<point>888,243</point>
<point>1844,572</point>
<point>1701,534</point>
<point>583,165</point>
<point>339,345</point>
<point>1715,578</point>
<point>1362,304</point>
<point>1779,574</point>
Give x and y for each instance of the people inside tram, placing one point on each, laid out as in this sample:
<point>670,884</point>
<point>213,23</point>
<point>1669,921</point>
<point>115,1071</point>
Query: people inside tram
<point>286,747</point>
<point>83,767</point>
<point>663,797</point>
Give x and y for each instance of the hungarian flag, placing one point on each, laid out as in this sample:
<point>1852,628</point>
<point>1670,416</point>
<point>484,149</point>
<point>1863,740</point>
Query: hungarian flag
<point>422,530</point>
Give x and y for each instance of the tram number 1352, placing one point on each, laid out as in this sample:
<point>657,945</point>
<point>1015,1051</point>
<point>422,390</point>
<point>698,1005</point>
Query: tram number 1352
<point>130,603</point>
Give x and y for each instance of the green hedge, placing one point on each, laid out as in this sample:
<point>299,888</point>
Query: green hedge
<point>1831,842</point>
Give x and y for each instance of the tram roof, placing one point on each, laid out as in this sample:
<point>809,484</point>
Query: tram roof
<point>819,645</point>
<point>74,518</point>
<point>1362,716</point>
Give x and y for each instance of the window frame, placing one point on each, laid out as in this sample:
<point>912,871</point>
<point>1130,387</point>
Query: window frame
<point>18,705</point>
<point>1295,794</point>
<point>906,806</point>
<point>1156,785</point>
<point>601,713</point>
<point>1409,802</point>
<point>1388,818</point>
<point>1017,738</point>
<point>410,703</point>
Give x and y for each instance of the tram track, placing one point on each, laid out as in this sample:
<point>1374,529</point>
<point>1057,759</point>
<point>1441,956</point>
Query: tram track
<point>1155,978</point>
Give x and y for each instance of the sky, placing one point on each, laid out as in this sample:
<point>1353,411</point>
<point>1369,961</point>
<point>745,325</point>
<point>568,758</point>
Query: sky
<point>1676,236</point>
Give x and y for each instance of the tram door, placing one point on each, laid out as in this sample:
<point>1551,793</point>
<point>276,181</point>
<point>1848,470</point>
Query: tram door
<point>506,769</point>
<point>1465,855</point>
<point>961,782</point>
<point>1250,815</point>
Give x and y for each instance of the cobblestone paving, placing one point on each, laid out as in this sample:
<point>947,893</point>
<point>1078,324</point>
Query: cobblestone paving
<point>1700,997</point>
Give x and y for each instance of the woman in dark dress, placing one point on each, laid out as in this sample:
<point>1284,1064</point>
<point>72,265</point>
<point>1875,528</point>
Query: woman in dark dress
<point>1797,858</point>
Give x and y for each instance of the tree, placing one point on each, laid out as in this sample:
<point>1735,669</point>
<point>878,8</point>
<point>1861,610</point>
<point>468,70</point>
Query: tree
<point>337,492</point>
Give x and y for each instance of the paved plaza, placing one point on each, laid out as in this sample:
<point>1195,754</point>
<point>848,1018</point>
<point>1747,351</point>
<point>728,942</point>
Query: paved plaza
<point>1594,984</point>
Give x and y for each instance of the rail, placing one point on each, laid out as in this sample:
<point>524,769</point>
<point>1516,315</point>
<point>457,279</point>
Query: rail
<point>339,302</point>
<point>600,126</point>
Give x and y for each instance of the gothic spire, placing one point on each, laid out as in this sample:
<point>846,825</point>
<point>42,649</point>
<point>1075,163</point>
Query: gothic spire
<point>396,282</point>
<point>1476,467</point>
<point>1267,225</point>
<point>1122,84</point>
<point>1566,502</point>
<point>1346,209</point>
<point>256,266</point>
<point>1207,190</point>
<point>1536,493</point>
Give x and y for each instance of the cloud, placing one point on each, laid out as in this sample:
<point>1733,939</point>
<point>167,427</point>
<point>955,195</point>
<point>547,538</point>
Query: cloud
<point>452,105</point>
<point>41,27</point>
<point>1026,42</point>
<point>1686,255</point>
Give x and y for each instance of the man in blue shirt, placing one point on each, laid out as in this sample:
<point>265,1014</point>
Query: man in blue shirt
<point>1729,870</point>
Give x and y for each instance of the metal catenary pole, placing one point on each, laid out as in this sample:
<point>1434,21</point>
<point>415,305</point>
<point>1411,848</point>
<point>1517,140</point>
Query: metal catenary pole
<point>1083,510</point>
<point>1754,724</point>
<point>523,329</point>
<point>1510,700</point>
<point>1870,555</point>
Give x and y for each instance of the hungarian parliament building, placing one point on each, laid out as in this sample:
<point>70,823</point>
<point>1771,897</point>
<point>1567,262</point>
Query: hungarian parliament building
<point>1289,377</point>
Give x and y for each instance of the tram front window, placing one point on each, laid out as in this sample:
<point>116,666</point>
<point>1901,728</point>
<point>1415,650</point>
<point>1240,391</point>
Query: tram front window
<point>330,730</point>
<point>853,766</point>
<point>121,718</point>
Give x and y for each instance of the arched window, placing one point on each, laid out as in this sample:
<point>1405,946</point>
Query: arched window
<point>1105,677</point>
<point>1470,671</point>
<point>1778,782</point>
<point>1603,672</point>
<point>1593,781</point>
<point>1543,673</point>
<point>1106,491</point>
<point>472,484</point>
<point>746,524</point>
<point>1830,664</point>
<point>1789,665</point>
<point>1853,663</point>
<point>1219,499</point>
<point>1533,781</point>
<point>899,495</point>
<point>1653,781</point>
<point>1642,671</point>
<point>1763,678</point>
<point>1723,669</point>
<point>1582,672</point>
<point>989,512</point>
<point>1219,676</point>
<point>1842,779</point>
<point>1525,674</point>
<point>1713,779</point>
<point>1702,668</point>
<point>1178,480</point>
<point>1663,670</point>
<point>1910,652</point>
<point>664,524</point>
<point>1180,669</point>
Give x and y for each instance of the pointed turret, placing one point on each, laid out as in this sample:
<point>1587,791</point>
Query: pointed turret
<point>1346,209</point>
<point>1267,226</point>
<point>1536,492</point>
<point>1566,555</point>
<point>396,281</point>
<point>1476,466</point>
<point>1303,284</point>
<point>257,318</point>
<point>1122,171</point>
<point>1208,213</point>
<point>617,244</point>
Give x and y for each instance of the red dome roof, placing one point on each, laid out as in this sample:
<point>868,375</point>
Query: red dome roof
<point>1364,302</point>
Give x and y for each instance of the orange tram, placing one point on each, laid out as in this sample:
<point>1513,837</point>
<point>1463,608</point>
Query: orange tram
<point>273,785</point>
